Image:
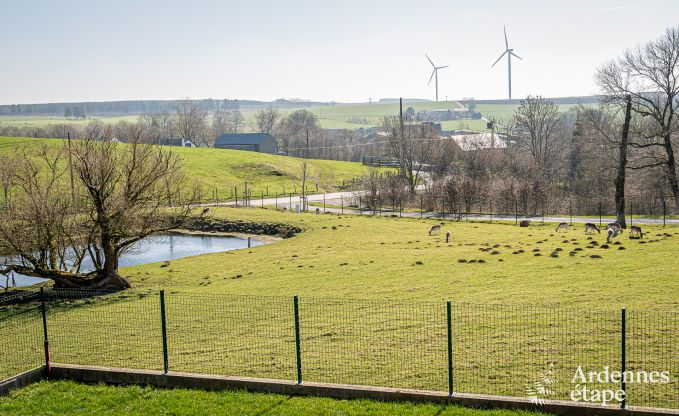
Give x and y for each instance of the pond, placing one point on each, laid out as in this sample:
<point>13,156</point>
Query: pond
<point>162,248</point>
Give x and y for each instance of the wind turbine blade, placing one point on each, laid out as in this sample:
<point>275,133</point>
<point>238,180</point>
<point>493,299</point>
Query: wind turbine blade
<point>441,67</point>
<point>513,54</point>
<point>498,59</point>
<point>432,76</point>
<point>506,42</point>
<point>432,64</point>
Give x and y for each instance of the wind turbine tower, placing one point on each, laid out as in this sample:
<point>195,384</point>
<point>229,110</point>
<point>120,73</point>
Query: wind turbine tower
<point>509,52</point>
<point>435,74</point>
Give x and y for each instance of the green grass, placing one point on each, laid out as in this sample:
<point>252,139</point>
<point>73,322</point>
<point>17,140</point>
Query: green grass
<point>224,169</point>
<point>341,116</point>
<point>44,120</point>
<point>70,398</point>
<point>381,252</point>
<point>564,310</point>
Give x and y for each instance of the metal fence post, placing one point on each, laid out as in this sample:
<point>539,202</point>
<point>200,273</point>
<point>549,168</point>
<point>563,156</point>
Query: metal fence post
<point>449,315</point>
<point>664,213</point>
<point>298,349</point>
<point>631,214</point>
<point>623,360</point>
<point>46,342</point>
<point>599,213</point>
<point>163,327</point>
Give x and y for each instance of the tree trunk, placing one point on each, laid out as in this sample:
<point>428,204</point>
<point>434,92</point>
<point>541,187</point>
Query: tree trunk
<point>65,280</point>
<point>622,166</point>
<point>671,169</point>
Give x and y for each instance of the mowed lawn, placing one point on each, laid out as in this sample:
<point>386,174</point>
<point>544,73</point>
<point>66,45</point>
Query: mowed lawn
<point>69,398</point>
<point>222,170</point>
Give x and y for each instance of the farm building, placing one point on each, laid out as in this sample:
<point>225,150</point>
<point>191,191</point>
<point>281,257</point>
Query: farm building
<point>176,142</point>
<point>254,142</point>
<point>470,141</point>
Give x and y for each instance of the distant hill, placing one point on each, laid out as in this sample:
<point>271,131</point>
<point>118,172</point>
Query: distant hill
<point>132,107</point>
<point>135,107</point>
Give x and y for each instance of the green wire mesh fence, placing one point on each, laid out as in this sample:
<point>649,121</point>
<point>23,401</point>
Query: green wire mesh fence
<point>482,349</point>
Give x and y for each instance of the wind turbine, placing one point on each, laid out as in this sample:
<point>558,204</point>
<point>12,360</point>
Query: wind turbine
<point>509,52</point>
<point>435,74</point>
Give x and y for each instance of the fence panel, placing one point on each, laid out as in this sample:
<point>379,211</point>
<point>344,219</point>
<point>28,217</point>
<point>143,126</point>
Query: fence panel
<point>511,350</point>
<point>105,329</point>
<point>21,340</point>
<point>652,341</point>
<point>496,349</point>
<point>378,343</point>
<point>231,335</point>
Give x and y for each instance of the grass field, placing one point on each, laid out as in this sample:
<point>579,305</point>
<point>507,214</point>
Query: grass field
<point>231,313</point>
<point>223,169</point>
<point>69,398</point>
<point>380,256</point>
<point>341,116</point>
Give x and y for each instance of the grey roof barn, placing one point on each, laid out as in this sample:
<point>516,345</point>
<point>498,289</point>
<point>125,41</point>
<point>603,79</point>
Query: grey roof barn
<point>255,142</point>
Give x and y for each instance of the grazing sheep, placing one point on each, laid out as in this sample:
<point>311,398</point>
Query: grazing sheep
<point>591,227</point>
<point>448,235</point>
<point>635,229</point>
<point>562,227</point>
<point>284,209</point>
<point>615,227</point>
<point>205,212</point>
<point>435,229</point>
<point>318,210</point>
<point>611,234</point>
<point>524,223</point>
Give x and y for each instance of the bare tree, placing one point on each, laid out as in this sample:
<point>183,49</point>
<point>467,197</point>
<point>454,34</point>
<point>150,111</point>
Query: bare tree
<point>265,119</point>
<point>295,129</point>
<point>122,197</point>
<point>649,74</point>
<point>539,129</point>
<point>7,176</point>
<point>234,121</point>
<point>412,145</point>
<point>159,125</point>
<point>191,123</point>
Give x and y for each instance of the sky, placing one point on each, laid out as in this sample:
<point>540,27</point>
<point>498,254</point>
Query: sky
<point>345,51</point>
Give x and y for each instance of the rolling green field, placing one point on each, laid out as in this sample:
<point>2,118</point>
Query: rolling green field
<point>223,169</point>
<point>380,255</point>
<point>69,398</point>
<point>372,305</point>
<point>341,116</point>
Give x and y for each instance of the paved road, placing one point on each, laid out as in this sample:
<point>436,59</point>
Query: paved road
<point>335,199</point>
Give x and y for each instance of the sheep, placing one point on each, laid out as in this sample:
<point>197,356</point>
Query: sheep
<point>435,229</point>
<point>635,229</point>
<point>448,235</point>
<point>591,227</point>
<point>205,212</point>
<point>562,227</point>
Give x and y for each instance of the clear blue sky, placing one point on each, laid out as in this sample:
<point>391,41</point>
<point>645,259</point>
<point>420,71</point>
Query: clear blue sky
<point>349,50</point>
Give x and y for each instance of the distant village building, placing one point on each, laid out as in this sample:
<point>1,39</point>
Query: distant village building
<point>447,114</point>
<point>254,142</point>
<point>176,142</point>
<point>470,141</point>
